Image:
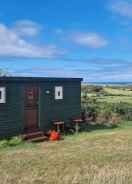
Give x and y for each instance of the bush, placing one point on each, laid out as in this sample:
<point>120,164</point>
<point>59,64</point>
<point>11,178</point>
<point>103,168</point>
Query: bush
<point>115,119</point>
<point>15,141</point>
<point>3,143</point>
<point>104,112</point>
<point>124,110</point>
<point>112,120</point>
<point>101,113</point>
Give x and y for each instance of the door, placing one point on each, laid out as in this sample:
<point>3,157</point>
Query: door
<point>31,108</point>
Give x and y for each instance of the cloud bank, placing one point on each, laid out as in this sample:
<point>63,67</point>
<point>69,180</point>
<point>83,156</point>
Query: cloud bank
<point>13,42</point>
<point>91,40</point>
<point>123,8</point>
<point>27,28</point>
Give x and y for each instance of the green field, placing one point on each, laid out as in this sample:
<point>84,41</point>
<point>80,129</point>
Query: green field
<point>93,157</point>
<point>115,99</point>
<point>117,95</point>
<point>113,95</point>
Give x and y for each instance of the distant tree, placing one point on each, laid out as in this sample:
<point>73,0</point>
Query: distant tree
<point>97,89</point>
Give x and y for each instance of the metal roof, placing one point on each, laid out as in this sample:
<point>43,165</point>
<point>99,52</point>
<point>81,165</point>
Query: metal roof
<point>37,79</point>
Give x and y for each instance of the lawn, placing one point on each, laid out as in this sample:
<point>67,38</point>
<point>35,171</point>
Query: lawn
<point>95,157</point>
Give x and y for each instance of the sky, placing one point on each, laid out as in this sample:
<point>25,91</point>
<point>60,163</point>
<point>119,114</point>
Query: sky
<point>67,38</point>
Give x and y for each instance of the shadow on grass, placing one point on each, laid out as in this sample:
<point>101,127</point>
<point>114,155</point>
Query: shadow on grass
<point>94,127</point>
<point>87,127</point>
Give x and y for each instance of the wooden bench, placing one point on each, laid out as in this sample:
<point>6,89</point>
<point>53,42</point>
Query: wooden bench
<point>77,122</point>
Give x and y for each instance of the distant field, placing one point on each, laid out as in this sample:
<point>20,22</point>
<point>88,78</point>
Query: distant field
<point>114,95</point>
<point>115,99</point>
<point>124,92</point>
<point>94,157</point>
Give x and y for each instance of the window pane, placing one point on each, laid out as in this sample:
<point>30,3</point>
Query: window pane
<point>58,92</point>
<point>2,95</point>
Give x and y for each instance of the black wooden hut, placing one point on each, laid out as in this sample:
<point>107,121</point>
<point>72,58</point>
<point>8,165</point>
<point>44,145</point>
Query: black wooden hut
<point>28,103</point>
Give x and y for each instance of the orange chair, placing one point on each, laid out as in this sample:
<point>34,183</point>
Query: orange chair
<point>54,136</point>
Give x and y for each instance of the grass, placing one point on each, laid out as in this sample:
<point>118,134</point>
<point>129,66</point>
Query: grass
<point>99,156</point>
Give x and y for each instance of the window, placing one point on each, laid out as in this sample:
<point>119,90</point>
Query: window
<point>58,92</point>
<point>30,95</point>
<point>2,95</point>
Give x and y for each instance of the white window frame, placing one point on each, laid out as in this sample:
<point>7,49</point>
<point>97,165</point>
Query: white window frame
<point>58,89</point>
<point>3,95</point>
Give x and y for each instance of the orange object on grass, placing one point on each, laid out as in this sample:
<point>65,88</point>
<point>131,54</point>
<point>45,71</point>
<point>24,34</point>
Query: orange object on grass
<point>54,136</point>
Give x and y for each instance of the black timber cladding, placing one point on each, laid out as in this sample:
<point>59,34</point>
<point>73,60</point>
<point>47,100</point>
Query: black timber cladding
<point>12,112</point>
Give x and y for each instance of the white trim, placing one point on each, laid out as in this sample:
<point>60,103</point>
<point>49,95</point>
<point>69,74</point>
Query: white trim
<point>3,95</point>
<point>58,92</point>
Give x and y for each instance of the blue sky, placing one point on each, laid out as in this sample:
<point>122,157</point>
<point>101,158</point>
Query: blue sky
<point>67,38</point>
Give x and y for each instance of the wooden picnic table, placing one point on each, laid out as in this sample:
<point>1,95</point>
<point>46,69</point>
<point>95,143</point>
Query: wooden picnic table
<point>58,125</point>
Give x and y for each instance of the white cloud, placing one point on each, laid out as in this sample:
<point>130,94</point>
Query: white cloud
<point>13,45</point>
<point>122,8</point>
<point>91,40</point>
<point>27,28</point>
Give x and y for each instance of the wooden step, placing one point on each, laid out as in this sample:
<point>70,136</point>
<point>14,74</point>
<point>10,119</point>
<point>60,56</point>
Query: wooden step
<point>32,135</point>
<point>39,139</point>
